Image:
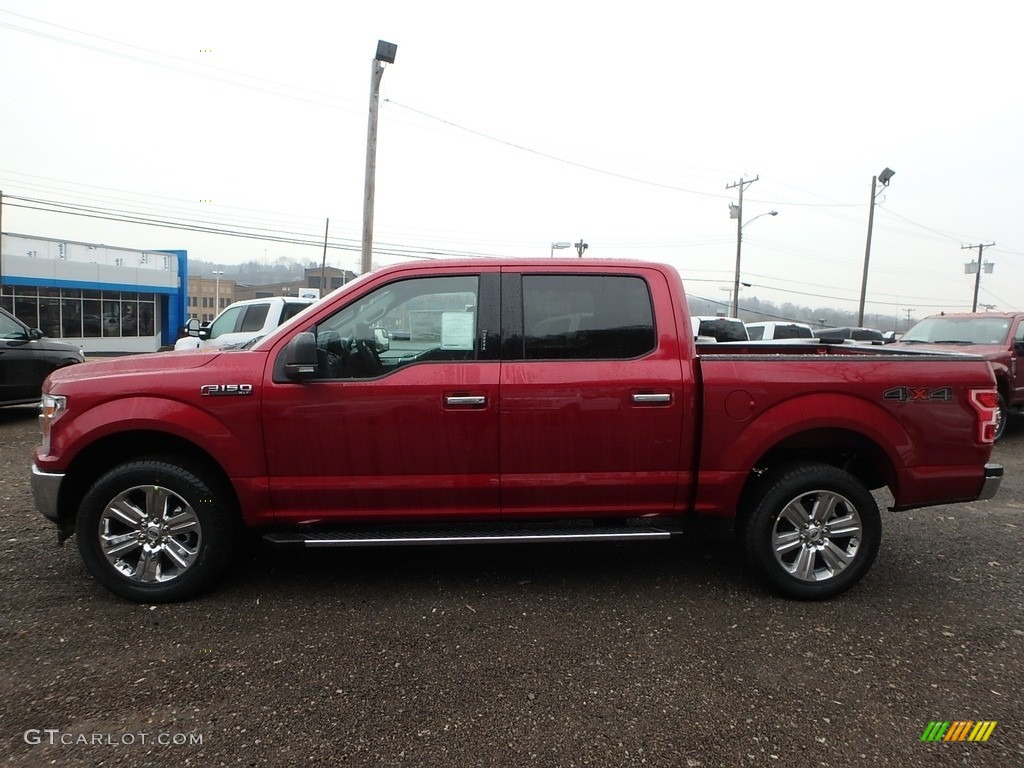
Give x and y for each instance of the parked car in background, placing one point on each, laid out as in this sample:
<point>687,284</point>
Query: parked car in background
<point>996,336</point>
<point>857,335</point>
<point>27,358</point>
<point>776,330</point>
<point>719,328</point>
<point>241,322</point>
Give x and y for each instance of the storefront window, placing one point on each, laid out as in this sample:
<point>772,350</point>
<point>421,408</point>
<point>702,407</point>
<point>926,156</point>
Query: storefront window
<point>92,319</point>
<point>71,317</point>
<point>77,313</point>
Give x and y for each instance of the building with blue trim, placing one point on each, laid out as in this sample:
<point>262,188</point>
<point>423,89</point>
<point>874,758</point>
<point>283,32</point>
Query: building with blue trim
<point>107,299</point>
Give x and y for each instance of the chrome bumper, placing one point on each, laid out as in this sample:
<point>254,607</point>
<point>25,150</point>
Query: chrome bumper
<point>993,477</point>
<point>45,491</point>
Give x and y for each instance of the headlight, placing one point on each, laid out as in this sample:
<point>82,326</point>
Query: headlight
<point>50,408</point>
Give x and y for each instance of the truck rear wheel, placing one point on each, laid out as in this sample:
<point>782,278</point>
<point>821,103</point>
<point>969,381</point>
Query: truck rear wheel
<point>813,533</point>
<point>155,531</point>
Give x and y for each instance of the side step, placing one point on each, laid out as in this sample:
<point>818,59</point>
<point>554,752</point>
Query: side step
<point>495,535</point>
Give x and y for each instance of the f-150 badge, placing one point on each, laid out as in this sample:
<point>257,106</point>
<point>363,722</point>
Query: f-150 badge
<point>220,390</point>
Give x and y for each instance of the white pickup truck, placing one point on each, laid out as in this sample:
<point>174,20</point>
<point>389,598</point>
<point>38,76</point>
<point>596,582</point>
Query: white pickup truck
<point>241,322</point>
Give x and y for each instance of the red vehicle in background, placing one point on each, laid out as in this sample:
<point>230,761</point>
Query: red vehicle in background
<point>996,336</point>
<point>495,401</point>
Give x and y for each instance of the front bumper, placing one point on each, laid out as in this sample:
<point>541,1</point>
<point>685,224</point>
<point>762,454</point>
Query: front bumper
<point>993,477</point>
<point>46,491</point>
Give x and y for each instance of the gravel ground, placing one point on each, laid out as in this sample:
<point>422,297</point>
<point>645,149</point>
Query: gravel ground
<point>599,655</point>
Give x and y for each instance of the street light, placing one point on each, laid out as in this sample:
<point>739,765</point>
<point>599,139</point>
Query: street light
<point>559,245</point>
<point>216,292</point>
<point>883,177</point>
<point>736,212</point>
<point>385,54</point>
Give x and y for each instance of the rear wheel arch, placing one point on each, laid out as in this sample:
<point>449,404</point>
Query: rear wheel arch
<point>854,453</point>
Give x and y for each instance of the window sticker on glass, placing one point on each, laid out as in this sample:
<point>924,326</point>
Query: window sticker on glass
<point>457,330</point>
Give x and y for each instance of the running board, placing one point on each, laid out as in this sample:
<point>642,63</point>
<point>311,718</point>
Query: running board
<point>400,538</point>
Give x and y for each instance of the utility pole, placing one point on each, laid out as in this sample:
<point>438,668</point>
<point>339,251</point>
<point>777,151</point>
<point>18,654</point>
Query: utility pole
<point>385,53</point>
<point>741,185</point>
<point>323,263</point>
<point>581,247</point>
<point>884,177</point>
<point>977,278</point>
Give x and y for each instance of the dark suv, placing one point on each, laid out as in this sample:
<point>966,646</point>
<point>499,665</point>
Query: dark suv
<point>26,358</point>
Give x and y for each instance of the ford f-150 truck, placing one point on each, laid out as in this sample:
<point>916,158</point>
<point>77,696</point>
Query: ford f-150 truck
<point>504,401</point>
<point>996,336</point>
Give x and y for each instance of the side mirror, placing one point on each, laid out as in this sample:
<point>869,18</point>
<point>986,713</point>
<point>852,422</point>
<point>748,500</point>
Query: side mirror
<point>204,332</point>
<point>300,359</point>
<point>34,334</point>
<point>191,327</point>
<point>381,339</point>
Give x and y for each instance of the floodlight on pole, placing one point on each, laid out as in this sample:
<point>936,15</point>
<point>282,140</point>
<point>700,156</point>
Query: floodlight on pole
<point>385,55</point>
<point>559,245</point>
<point>884,177</point>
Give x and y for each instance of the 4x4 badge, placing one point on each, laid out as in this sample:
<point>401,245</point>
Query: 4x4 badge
<point>919,394</point>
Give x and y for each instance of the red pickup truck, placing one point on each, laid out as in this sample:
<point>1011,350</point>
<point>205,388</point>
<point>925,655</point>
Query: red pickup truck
<point>504,401</point>
<point>996,336</point>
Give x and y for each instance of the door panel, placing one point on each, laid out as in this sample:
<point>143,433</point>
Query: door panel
<point>583,435</point>
<point>390,448</point>
<point>395,431</point>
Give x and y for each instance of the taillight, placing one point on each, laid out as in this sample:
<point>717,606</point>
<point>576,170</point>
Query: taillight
<point>986,403</point>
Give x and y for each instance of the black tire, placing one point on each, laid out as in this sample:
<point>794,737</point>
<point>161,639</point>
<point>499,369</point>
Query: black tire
<point>813,532</point>
<point>156,531</point>
<point>1001,417</point>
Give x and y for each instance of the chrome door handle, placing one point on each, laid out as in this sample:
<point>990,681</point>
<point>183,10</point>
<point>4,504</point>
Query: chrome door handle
<point>465,400</point>
<point>651,397</point>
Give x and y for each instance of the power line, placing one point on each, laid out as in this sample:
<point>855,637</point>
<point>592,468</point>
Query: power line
<point>173,67</point>
<point>291,238</point>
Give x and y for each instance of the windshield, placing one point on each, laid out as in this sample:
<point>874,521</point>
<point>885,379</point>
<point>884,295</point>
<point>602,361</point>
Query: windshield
<point>959,330</point>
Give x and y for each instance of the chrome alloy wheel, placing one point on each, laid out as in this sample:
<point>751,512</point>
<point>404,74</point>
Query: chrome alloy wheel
<point>817,535</point>
<point>150,534</point>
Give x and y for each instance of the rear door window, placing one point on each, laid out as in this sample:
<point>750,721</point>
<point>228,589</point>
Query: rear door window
<point>254,318</point>
<point>586,317</point>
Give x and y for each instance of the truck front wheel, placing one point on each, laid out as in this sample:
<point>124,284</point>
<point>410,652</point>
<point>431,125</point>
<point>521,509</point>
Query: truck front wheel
<point>1002,415</point>
<point>813,533</point>
<point>155,531</point>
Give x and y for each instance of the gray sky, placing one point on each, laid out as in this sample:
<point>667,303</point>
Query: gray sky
<point>507,126</point>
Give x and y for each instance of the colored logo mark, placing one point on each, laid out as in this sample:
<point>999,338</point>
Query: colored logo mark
<point>958,730</point>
